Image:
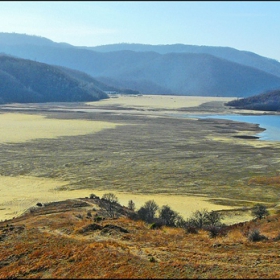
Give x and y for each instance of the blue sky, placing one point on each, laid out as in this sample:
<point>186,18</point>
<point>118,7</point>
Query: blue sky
<point>245,25</point>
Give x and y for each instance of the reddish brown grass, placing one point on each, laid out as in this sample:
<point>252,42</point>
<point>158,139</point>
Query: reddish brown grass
<point>49,246</point>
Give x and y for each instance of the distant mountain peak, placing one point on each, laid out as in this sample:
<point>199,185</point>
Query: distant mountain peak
<point>157,69</point>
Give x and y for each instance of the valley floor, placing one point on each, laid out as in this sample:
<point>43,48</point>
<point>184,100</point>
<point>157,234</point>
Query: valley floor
<point>135,147</point>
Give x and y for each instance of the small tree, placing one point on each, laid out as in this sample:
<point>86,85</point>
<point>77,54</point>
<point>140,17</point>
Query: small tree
<point>198,219</point>
<point>131,205</point>
<point>204,218</point>
<point>152,207</point>
<point>168,215</point>
<point>110,204</point>
<point>214,218</point>
<point>259,211</point>
<point>143,213</point>
<point>148,211</point>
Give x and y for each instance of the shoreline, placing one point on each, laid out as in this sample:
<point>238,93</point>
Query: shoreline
<point>113,117</point>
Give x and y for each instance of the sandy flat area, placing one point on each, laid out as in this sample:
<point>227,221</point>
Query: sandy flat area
<point>18,127</point>
<point>158,101</point>
<point>22,192</point>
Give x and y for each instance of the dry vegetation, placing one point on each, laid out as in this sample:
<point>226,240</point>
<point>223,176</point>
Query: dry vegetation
<point>143,151</point>
<point>62,240</point>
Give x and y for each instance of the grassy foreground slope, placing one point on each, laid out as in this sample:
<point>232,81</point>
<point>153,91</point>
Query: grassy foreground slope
<point>65,240</point>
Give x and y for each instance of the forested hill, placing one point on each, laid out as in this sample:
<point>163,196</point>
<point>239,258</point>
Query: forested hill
<point>23,81</point>
<point>164,69</point>
<point>269,101</point>
<point>247,58</point>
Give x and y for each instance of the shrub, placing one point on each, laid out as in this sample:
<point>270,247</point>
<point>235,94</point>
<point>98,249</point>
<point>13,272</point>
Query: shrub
<point>277,238</point>
<point>215,231</point>
<point>98,219</point>
<point>190,229</point>
<point>255,236</point>
<point>131,205</point>
<point>213,218</point>
<point>180,222</point>
<point>157,224</point>
<point>259,211</point>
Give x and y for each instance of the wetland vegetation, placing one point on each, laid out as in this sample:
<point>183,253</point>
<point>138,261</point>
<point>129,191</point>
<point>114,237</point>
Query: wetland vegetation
<point>149,152</point>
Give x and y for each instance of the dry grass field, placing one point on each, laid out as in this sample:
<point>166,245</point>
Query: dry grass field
<point>58,154</point>
<point>62,241</point>
<point>134,147</point>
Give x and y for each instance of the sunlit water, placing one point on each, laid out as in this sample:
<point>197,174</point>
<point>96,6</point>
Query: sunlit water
<point>271,123</point>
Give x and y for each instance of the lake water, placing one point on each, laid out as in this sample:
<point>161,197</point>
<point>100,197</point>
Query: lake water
<point>271,123</point>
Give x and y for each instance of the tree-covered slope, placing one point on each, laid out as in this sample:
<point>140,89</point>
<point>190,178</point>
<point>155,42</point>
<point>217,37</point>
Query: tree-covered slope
<point>24,80</point>
<point>163,69</point>
<point>182,74</point>
<point>247,58</point>
<point>268,101</point>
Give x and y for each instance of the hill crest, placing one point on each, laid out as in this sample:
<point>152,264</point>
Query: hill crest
<point>66,239</point>
<point>157,69</point>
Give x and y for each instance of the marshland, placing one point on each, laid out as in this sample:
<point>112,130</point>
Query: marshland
<point>136,147</point>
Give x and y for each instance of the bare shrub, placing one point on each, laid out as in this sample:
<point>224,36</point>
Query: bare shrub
<point>190,229</point>
<point>255,236</point>
<point>205,218</point>
<point>259,211</point>
<point>109,202</point>
<point>157,224</point>
<point>215,231</point>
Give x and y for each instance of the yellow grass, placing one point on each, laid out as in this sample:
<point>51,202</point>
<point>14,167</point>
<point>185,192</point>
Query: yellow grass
<point>19,193</point>
<point>18,127</point>
<point>22,192</point>
<point>159,101</point>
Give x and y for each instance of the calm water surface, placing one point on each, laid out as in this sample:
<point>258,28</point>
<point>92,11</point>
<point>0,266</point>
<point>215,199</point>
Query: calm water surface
<point>271,123</point>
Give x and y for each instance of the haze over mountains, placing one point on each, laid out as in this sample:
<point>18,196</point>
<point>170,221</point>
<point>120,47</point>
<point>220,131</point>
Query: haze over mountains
<point>23,81</point>
<point>268,101</point>
<point>163,69</point>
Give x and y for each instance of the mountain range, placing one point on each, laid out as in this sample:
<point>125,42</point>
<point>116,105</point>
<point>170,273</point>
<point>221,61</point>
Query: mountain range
<point>156,69</point>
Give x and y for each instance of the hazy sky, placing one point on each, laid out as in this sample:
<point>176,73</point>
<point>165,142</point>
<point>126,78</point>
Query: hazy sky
<point>245,25</point>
